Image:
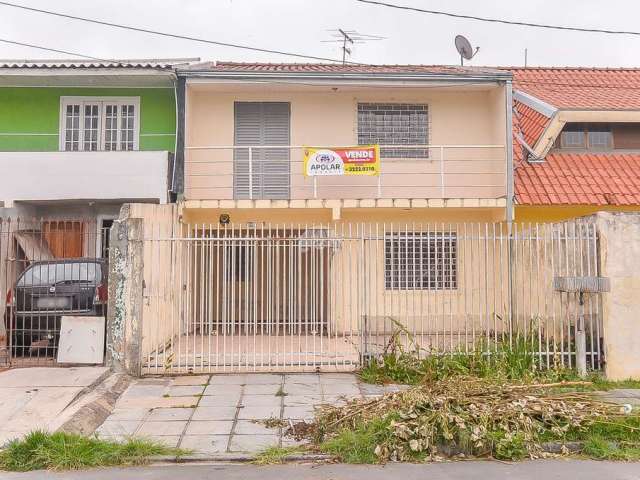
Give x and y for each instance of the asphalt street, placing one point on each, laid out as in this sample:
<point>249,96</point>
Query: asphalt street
<point>485,470</point>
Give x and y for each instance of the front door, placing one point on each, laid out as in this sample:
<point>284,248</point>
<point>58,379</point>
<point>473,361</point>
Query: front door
<point>264,124</point>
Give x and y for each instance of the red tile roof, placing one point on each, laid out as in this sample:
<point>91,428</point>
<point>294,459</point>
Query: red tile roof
<point>581,88</point>
<point>530,122</point>
<point>339,68</point>
<point>580,179</point>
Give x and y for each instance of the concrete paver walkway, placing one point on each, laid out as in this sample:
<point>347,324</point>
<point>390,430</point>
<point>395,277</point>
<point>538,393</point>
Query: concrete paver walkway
<point>34,398</point>
<point>224,414</point>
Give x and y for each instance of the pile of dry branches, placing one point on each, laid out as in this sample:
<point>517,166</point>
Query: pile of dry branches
<point>467,417</point>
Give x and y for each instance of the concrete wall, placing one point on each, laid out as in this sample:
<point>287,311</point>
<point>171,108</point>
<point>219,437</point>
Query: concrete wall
<point>41,176</point>
<point>322,116</point>
<point>620,261</point>
<point>142,284</point>
<point>173,288</point>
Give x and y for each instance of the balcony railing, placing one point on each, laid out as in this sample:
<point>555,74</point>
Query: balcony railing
<point>276,172</point>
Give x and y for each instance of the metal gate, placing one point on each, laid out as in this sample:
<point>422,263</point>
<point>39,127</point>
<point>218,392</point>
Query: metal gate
<point>323,297</point>
<point>49,268</point>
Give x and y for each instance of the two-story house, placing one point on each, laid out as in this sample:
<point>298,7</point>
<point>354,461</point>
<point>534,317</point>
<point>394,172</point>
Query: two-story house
<point>576,141</point>
<point>325,202</point>
<point>80,138</point>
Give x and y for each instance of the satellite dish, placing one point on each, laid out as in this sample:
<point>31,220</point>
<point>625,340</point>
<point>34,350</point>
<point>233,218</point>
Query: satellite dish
<point>464,48</point>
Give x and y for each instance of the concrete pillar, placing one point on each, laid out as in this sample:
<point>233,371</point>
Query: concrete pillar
<point>619,241</point>
<point>124,317</point>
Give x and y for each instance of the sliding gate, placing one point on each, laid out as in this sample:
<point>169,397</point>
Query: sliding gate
<point>323,297</point>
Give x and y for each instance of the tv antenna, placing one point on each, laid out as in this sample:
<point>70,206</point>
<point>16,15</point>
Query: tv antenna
<point>349,38</point>
<point>464,49</point>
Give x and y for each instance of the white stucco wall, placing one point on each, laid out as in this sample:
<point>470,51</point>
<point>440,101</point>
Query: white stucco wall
<point>46,176</point>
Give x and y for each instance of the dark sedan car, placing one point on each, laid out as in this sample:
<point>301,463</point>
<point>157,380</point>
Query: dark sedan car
<point>45,292</point>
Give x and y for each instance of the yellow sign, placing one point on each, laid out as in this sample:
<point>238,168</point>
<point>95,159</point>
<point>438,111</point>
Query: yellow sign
<point>362,160</point>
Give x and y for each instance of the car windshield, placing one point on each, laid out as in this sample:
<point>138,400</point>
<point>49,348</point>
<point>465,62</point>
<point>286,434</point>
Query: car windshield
<point>52,273</point>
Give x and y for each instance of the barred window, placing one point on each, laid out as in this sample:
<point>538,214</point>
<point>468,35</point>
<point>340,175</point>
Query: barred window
<point>421,261</point>
<point>394,124</point>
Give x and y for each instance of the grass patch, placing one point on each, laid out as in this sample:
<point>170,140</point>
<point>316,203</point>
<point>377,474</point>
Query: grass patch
<point>64,451</point>
<point>358,444</point>
<point>500,362</point>
<point>281,392</point>
<point>616,438</point>
<point>276,455</point>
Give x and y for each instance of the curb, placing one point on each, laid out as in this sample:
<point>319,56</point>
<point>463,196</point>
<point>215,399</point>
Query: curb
<point>235,458</point>
<point>90,416</point>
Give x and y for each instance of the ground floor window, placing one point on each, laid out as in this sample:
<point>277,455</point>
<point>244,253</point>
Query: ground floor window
<point>420,261</point>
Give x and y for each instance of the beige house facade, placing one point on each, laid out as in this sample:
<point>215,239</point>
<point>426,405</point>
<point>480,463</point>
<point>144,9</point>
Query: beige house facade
<point>454,121</point>
<point>277,269</point>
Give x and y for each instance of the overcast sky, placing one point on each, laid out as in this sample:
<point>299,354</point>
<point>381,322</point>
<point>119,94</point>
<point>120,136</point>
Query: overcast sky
<point>301,25</point>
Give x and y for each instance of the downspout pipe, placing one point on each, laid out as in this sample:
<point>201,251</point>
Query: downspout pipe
<point>509,204</point>
<point>509,148</point>
<point>180,86</point>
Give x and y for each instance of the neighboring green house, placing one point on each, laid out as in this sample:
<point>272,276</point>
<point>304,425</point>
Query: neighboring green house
<point>32,118</point>
<point>79,139</point>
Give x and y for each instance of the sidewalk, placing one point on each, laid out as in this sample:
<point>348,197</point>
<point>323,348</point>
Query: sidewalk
<point>34,398</point>
<point>223,414</point>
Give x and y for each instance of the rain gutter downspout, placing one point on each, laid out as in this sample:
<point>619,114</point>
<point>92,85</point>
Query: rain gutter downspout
<point>179,94</point>
<point>509,205</point>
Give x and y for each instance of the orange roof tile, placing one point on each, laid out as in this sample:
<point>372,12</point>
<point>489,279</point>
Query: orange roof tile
<point>530,122</point>
<point>580,179</point>
<point>581,88</point>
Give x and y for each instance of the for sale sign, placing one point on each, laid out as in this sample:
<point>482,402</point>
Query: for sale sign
<point>361,160</point>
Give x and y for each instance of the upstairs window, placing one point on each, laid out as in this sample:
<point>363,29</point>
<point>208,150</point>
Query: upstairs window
<point>572,139</point>
<point>394,124</point>
<point>586,136</point>
<point>599,139</point>
<point>93,124</point>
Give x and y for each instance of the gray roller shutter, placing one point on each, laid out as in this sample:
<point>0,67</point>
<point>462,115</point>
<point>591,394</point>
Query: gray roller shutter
<point>262,123</point>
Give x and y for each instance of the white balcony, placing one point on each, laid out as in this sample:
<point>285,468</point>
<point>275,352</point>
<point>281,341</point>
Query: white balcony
<point>439,172</point>
<point>92,176</point>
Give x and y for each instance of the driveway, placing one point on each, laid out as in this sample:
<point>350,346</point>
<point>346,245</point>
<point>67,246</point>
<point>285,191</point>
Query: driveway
<point>35,398</point>
<point>223,415</point>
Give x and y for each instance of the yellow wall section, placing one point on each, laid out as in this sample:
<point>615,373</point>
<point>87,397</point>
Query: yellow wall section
<point>557,213</point>
<point>310,216</point>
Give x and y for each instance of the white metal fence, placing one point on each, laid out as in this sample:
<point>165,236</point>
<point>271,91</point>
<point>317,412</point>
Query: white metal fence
<point>323,297</point>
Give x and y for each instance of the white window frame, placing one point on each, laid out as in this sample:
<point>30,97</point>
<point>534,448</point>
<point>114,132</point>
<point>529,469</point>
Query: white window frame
<point>101,101</point>
<point>99,219</point>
